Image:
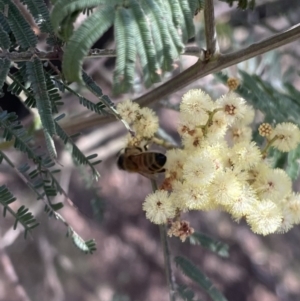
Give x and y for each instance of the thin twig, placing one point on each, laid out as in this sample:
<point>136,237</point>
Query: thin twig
<point>167,255</point>
<point>167,259</point>
<point>212,46</point>
<point>27,55</point>
<point>94,53</point>
<point>275,41</point>
<point>201,69</point>
<point>112,110</point>
<point>197,71</point>
<point>10,236</point>
<point>40,196</point>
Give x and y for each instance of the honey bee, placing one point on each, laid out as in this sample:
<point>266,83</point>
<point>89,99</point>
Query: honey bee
<point>147,163</point>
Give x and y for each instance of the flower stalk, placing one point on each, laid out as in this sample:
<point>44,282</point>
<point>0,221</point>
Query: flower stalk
<point>167,260</point>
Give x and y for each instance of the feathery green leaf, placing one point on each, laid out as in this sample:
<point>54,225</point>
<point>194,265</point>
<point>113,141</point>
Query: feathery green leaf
<point>169,51</point>
<point>98,107</point>
<point>12,129</point>
<point>82,39</point>
<point>191,271</point>
<point>293,166</point>
<point>88,246</point>
<point>40,13</point>
<point>50,191</point>
<point>57,206</point>
<point>53,94</point>
<point>4,68</point>
<point>76,152</point>
<point>32,174</point>
<point>96,90</point>
<point>50,143</point>
<point>16,87</point>
<point>156,35</point>
<point>6,198</point>
<point>209,243</point>
<point>293,93</point>
<point>126,49</point>
<point>177,15</point>
<point>145,45</point>
<point>66,28</point>
<point>188,28</point>
<point>185,293</point>
<point>4,38</point>
<point>22,216</point>
<point>3,20</point>
<point>19,26</point>
<point>196,5</point>
<point>64,8</point>
<point>36,76</point>
<point>175,36</point>
<point>276,106</point>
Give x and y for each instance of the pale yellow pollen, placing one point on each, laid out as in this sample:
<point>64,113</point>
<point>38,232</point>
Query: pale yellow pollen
<point>233,83</point>
<point>230,109</point>
<point>265,129</point>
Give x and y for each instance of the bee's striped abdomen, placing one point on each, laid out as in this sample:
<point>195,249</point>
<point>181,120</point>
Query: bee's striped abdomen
<point>154,162</point>
<point>135,160</point>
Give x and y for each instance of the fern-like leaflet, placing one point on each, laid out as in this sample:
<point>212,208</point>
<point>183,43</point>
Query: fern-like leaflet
<point>22,216</point>
<point>76,152</point>
<point>191,271</point>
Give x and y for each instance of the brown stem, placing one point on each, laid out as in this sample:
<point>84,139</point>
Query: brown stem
<point>27,55</point>
<point>167,255</point>
<point>201,69</point>
<point>93,54</point>
<point>270,142</point>
<point>167,259</point>
<point>212,47</point>
<point>209,121</point>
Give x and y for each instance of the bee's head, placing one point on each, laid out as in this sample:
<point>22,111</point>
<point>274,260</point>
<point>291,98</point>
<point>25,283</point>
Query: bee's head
<point>161,159</point>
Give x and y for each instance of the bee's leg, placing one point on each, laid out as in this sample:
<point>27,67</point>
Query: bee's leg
<point>139,149</point>
<point>149,176</point>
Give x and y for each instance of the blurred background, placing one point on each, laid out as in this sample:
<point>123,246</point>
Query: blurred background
<point>128,264</point>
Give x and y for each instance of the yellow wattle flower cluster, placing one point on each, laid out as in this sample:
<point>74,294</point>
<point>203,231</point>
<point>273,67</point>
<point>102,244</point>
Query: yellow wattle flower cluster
<point>144,121</point>
<point>220,167</point>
